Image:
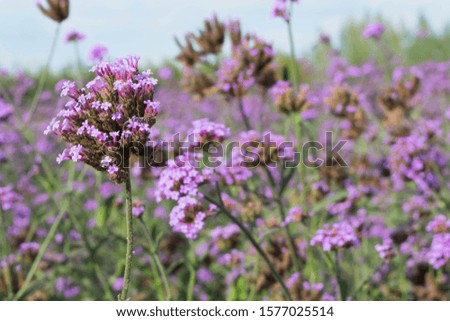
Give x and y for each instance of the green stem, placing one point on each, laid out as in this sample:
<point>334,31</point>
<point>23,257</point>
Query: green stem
<point>295,75</point>
<point>44,74</point>
<point>243,114</point>
<point>335,269</point>
<point>192,273</point>
<point>156,260</point>
<point>300,167</point>
<point>43,249</point>
<point>5,254</point>
<point>129,254</point>
<point>256,245</point>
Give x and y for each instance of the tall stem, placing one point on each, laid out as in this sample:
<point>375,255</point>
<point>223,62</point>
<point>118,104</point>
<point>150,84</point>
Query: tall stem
<point>295,75</point>
<point>243,114</point>
<point>5,253</point>
<point>44,74</point>
<point>255,244</point>
<point>42,249</point>
<point>129,255</point>
<point>156,260</point>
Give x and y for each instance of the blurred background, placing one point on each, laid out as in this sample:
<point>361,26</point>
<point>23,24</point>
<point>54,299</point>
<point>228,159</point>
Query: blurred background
<point>147,28</point>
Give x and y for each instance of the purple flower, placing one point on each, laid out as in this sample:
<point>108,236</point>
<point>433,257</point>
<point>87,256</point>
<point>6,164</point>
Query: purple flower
<point>74,36</point>
<point>188,217</point>
<point>205,131</point>
<point>65,287</point>
<point>386,249</point>
<point>334,237</point>
<point>29,248</point>
<point>439,224</point>
<point>98,53</point>
<point>373,30</point>
<point>204,275</point>
<point>165,73</point>
<point>90,123</point>
<point>6,110</point>
<point>180,179</point>
<point>137,208</point>
<point>295,214</point>
<point>118,284</point>
<point>439,252</point>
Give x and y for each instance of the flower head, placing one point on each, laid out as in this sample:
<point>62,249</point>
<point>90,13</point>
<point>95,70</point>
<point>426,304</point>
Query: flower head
<point>373,30</point>
<point>109,119</point>
<point>98,53</point>
<point>74,36</point>
<point>439,252</point>
<point>206,131</point>
<point>337,236</point>
<point>188,217</point>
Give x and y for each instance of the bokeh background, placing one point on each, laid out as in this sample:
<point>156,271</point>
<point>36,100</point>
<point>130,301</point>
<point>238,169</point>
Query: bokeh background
<point>147,27</point>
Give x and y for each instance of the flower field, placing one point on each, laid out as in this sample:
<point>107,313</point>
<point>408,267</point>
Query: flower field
<point>231,172</point>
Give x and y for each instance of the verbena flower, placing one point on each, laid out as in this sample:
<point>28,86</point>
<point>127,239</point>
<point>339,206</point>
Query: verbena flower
<point>280,9</point>
<point>206,131</point>
<point>233,79</point>
<point>180,179</point>
<point>340,235</point>
<point>6,110</point>
<point>109,119</point>
<point>74,36</point>
<point>373,30</point>
<point>439,224</point>
<point>413,158</point>
<point>65,287</point>
<point>98,53</point>
<point>386,249</point>
<point>286,100</point>
<point>188,217</point>
<point>439,253</point>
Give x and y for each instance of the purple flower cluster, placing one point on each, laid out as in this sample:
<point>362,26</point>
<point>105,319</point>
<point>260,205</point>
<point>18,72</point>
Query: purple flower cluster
<point>373,30</point>
<point>74,36</point>
<point>234,80</point>
<point>109,119</point>
<point>206,131</point>
<point>180,182</point>
<point>98,53</point>
<point>280,9</point>
<point>439,252</point>
<point>6,110</point>
<point>65,287</point>
<point>13,202</point>
<point>188,216</point>
<point>439,224</point>
<point>386,249</point>
<point>413,158</point>
<point>337,236</point>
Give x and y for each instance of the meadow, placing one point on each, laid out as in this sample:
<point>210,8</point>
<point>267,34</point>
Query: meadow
<point>232,171</point>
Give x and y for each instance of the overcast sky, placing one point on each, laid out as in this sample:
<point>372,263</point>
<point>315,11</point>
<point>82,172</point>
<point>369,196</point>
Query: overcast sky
<point>147,27</point>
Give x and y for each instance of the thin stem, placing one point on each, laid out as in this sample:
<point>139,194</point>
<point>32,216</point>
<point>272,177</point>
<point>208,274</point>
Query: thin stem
<point>300,167</point>
<point>129,254</point>
<point>243,114</point>
<point>42,249</point>
<point>156,260</point>
<point>339,277</point>
<point>295,75</point>
<point>44,74</point>
<point>192,274</point>
<point>256,245</point>
<point>5,253</point>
